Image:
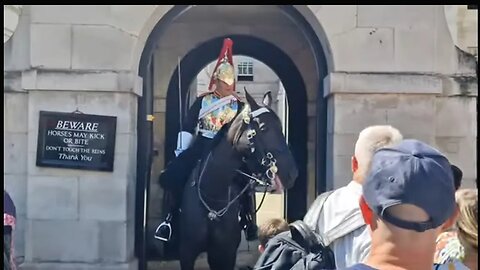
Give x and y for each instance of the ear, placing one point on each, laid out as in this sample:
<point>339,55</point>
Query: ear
<point>354,164</point>
<point>261,249</point>
<point>251,100</point>
<point>366,211</point>
<point>267,98</point>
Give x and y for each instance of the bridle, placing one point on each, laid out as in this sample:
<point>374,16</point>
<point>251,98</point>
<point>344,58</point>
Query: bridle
<point>266,159</point>
<point>267,162</point>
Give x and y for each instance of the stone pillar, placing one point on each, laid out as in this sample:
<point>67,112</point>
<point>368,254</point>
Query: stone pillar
<point>418,105</point>
<point>79,218</point>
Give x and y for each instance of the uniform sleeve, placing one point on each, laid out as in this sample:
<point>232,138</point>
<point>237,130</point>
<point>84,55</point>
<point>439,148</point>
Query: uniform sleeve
<point>191,119</point>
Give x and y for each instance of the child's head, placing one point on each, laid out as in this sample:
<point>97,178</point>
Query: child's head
<point>269,229</point>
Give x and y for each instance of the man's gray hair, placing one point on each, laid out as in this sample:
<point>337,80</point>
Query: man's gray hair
<point>370,140</point>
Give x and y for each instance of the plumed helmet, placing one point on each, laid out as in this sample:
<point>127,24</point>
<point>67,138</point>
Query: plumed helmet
<point>224,69</point>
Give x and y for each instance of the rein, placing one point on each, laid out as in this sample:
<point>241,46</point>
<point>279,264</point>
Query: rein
<point>267,161</point>
<point>213,214</point>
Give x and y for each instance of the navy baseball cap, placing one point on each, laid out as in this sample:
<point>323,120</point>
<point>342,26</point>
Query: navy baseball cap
<point>411,172</point>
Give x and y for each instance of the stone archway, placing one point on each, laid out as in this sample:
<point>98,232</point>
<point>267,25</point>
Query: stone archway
<point>386,64</point>
<point>307,59</point>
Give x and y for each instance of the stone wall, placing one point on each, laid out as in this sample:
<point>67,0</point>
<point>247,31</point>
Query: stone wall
<point>386,64</point>
<point>463,25</point>
<point>425,107</point>
<point>91,214</point>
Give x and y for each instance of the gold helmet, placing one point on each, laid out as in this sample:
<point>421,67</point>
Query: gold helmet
<point>224,70</point>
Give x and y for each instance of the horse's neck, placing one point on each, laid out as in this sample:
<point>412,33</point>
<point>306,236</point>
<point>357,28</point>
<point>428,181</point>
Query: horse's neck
<point>222,163</point>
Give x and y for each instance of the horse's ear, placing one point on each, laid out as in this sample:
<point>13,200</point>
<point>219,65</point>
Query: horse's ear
<point>251,101</point>
<point>267,98</point>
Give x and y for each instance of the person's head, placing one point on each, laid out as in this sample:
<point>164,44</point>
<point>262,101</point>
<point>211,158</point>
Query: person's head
<point>408,195</point>
<point>269,229</point>
<point>370,140</point>
<point>457,176</point>
<point>467,221</point>
<point>223,89</point>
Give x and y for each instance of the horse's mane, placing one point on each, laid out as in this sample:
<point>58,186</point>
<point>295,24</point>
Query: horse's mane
<point>234,130</point>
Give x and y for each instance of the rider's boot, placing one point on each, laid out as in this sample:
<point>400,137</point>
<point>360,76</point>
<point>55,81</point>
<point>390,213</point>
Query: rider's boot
<point>173,180</point>
<point>164,230</point>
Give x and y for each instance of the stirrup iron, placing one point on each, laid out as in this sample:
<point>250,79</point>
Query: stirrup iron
<point>168,225</point>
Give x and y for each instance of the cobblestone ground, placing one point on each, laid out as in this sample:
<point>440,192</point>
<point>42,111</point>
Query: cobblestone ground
<point>244,258</point>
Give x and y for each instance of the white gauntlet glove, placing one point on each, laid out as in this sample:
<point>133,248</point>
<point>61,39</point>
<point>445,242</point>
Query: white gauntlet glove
<point>183,142</point>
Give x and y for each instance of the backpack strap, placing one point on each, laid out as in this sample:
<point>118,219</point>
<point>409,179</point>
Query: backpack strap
<point>303,235</point>
<point>323,198</point>
<point>315,210</point>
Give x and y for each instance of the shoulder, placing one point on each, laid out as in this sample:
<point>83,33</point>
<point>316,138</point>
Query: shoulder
<point>348,196</point>
<point>201,95</point>
<point>198,101</point>
<point>205,94</point>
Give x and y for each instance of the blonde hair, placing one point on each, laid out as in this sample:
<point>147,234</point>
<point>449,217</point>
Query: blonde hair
<point>370,140</point>
<point>271,228</point>
<point>467,222</point>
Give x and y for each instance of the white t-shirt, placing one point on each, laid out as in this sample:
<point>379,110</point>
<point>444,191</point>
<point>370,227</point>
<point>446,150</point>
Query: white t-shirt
<point>343,227</point>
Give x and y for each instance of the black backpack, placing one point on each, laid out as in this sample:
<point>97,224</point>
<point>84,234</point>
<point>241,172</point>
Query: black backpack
<point>297,249</point>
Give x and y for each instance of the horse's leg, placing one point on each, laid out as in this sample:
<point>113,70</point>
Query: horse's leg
<point>193,229</point>
<point>191,239</point>
<point>222,259</point>
<point>223,256</point>
<point>223,243</point>
<point>188,256</point>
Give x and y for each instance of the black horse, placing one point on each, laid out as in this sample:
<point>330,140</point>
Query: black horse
<point>209,217</point>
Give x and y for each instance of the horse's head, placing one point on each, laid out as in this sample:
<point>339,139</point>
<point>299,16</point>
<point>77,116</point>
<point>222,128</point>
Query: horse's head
<point>257,134</point>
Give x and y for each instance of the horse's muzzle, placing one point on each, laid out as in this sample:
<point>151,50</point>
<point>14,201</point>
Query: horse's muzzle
<point>277,185</point>
<point>289,176</point>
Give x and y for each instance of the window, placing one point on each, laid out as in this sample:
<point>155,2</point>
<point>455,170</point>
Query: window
<point>245,71</point>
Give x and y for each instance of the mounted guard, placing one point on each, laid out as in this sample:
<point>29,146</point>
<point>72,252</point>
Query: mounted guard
<point>205,118</point>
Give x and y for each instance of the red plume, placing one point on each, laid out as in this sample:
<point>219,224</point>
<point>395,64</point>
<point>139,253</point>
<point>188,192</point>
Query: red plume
<point>226,49</point>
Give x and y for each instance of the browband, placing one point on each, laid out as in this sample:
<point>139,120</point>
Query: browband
<point>258,112</point>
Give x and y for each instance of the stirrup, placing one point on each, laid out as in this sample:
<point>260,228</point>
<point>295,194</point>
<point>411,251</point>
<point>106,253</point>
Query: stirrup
<point>169,227</point>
